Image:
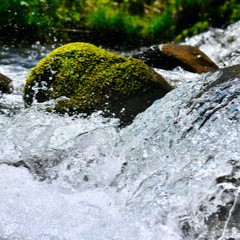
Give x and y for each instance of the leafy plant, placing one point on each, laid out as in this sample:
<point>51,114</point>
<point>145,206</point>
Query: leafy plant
<point>159,25</point>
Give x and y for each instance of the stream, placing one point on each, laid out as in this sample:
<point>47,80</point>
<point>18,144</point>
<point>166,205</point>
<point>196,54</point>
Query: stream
<point>173,174</point>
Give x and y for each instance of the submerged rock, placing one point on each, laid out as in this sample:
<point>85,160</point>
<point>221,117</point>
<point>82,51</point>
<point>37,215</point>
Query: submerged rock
<point>5,84</point>
<point>183,153</point>
<point>169,56</point>
<point>84,78</point>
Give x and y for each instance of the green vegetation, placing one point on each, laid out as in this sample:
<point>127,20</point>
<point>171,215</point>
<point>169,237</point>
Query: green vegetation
<point>152,20</point>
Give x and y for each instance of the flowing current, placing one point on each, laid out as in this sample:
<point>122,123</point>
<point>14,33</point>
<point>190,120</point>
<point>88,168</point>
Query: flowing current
<point>173,174</point>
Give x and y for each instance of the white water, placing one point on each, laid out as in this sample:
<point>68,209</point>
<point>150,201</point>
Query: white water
<point>83,178</point>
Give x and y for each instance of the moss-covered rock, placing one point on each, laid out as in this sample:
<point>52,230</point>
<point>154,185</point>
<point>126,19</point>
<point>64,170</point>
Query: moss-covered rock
<point>92,79</point>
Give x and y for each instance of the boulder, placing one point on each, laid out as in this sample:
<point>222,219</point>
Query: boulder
<point>169,56</point>
<point>194,130</point>
<point>5,84</point>
<point>84,78</point>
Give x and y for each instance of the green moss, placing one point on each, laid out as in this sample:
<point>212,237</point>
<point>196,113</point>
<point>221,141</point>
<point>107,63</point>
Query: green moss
<point>89,78</point>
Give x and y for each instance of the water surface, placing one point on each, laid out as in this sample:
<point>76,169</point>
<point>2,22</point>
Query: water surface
<point>77,178</point>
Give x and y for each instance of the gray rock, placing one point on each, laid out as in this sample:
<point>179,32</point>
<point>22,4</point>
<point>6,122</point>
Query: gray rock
<point>186,146</point>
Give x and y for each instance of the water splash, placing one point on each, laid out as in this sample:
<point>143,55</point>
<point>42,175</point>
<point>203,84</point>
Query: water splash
<point>172,173</point>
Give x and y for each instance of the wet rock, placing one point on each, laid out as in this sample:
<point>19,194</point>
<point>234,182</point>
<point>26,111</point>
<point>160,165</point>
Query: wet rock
<point>83,78</point>
<point>199,122</point>
<point>5,84</point>
<point>219,96</point>
<point>225,205</point>
<point>169,56</point>
<point>221,92</point>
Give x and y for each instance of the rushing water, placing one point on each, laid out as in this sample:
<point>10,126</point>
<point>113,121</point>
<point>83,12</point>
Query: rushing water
<point>172,174</point>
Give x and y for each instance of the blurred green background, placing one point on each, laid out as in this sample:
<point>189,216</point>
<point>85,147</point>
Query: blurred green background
<point>126,23</point>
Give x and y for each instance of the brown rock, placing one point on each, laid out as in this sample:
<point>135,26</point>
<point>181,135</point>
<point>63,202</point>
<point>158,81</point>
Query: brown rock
<point>189,57</point>
<point>168,56</point>
<point>5,84</point>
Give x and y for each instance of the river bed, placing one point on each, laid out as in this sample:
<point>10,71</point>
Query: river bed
<point>74,178</point>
